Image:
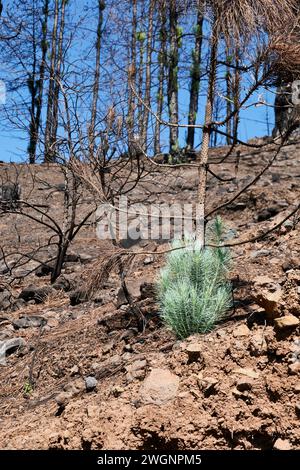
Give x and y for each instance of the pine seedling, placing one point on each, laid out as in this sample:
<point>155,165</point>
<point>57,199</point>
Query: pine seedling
<point>193,290</point>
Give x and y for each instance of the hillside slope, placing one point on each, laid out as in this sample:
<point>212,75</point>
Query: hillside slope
<point>108,375</point>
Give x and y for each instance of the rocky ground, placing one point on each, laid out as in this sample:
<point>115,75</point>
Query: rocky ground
<point>105,374</point>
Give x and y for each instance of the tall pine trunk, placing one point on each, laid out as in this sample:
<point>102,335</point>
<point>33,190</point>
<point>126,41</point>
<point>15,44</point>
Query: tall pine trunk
<point>37,112</point>
<point>141,36</point>
<point>173,76</point>
<point>195,82</point>
<point>236,90</point>
<point>229,94</point>
<point>207,130</point>
<point>147,97</point>
<point>132,76</point>
<point>162,58</point>
<point>32,87</point>
<point>53,132</point>
<point>49,154</point>
<point>92,125</point>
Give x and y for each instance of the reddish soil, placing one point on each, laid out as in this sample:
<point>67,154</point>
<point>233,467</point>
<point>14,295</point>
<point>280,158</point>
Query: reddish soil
<point>243,390</point>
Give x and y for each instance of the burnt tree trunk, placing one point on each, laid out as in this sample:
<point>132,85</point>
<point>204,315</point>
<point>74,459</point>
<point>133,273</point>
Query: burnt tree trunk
<point>162,57</point>
<point>195,82</point>
<point>286,111</point>
<point>173,77</point>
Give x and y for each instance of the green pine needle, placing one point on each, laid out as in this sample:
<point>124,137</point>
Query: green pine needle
<point>193,291</point>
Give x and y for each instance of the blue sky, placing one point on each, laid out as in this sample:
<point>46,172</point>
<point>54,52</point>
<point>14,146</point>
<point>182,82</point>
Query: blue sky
<point>253,120</point>
<point>253,123</point>
<point>13,147</point>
